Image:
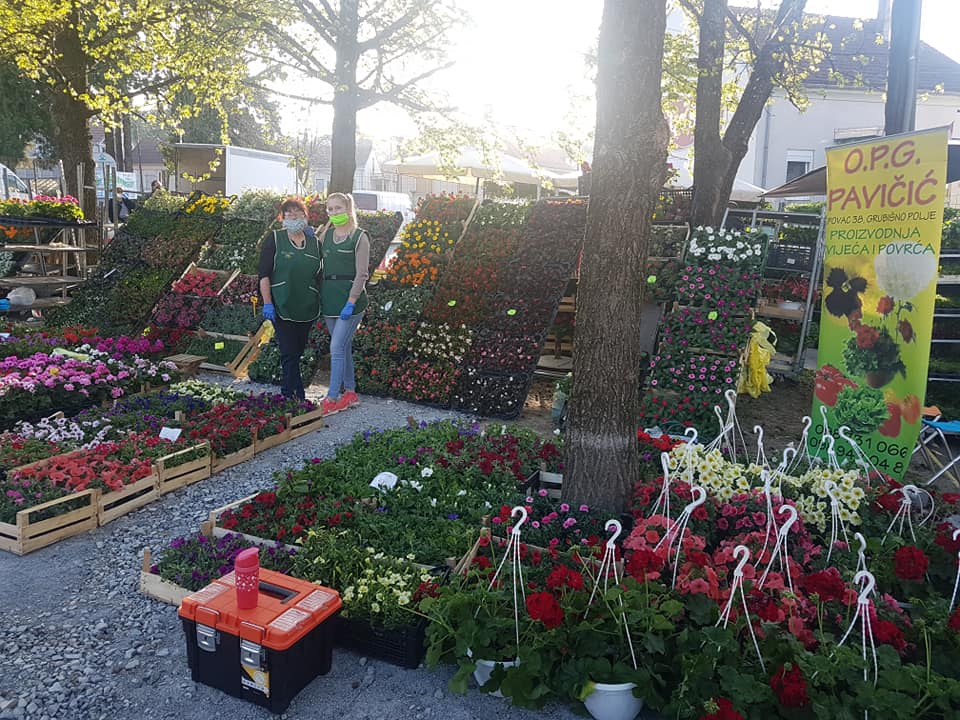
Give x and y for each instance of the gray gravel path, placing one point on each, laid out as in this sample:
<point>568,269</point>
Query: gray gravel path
<point>78,641</point>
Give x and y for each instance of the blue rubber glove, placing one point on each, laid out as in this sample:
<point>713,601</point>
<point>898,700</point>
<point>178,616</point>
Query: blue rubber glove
<point>309,232</point>
<point>269,313</point>
<point>347,311</point>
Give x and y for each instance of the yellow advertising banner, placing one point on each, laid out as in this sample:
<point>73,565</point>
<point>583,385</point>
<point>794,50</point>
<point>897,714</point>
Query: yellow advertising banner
<point>884,216</point>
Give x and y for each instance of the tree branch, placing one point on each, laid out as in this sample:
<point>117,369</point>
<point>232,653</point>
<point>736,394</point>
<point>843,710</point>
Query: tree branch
<point>370,97</point>
<point>389,30</point>
<point>743,32</point>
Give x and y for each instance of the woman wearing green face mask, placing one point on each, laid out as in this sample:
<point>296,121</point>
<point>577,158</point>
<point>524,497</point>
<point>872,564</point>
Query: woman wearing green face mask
<point>290,287</point>
<point>346,258</point>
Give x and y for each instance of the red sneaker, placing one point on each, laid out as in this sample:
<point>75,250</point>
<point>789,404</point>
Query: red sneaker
<point>331,407</point>
<point>351,398</point>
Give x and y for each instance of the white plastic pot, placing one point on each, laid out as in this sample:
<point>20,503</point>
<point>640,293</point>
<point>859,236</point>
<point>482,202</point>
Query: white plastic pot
<point>485,668</point>
<point>613,701</point>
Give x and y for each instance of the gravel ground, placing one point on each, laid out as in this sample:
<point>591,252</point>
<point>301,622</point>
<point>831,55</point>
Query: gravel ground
<point>78,640</point>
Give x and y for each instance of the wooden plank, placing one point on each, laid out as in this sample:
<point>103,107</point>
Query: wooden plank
<point>248,353</point>
<point>271,441</point>
<point>216,368</point>
<point>116,504</point>
<point>178,476</point>
<point>233,276</point>
<point>214,517</point>
<point>153,586</point>
<point>235,458</point>
<point>225,336</point>
<point>219,532</point>
<point>306,423</point>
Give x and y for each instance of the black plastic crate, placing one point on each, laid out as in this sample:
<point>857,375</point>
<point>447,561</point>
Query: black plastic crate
<point>400,646</point>
<point>289,671</point>
<point>790,256</point>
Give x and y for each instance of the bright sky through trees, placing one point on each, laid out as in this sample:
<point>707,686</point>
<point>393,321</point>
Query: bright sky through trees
<point>519,61</point>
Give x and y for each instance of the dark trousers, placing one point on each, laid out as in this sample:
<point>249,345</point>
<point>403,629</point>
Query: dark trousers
<point>292,339</point>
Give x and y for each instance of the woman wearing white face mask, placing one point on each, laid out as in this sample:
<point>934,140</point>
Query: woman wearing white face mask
<point>290,287</point>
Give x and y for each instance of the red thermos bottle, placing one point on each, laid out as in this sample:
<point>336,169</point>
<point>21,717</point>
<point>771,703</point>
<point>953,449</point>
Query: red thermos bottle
<point>247,571</point>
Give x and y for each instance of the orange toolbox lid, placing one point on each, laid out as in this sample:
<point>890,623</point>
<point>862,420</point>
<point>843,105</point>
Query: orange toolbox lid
<point>287,609</point>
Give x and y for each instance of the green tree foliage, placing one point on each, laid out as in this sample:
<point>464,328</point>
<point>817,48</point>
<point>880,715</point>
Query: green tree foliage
<point>24,114</point>
<point>105,58</point>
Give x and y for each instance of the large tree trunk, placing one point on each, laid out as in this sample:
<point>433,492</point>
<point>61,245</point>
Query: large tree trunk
<point>343,151</point>
<point>711,160</point>
<point>629,170</point>
<point>716,160</point>
<point>127,145</point>
<point>71,134</point>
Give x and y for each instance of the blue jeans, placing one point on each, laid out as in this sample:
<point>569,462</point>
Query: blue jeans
<point>341,354</point>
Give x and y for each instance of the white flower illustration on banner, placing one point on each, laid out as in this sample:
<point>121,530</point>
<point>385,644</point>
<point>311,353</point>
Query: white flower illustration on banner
<point>903,275</point>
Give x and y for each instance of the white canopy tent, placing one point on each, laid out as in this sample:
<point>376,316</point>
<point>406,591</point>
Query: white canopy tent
<point>475,167</point>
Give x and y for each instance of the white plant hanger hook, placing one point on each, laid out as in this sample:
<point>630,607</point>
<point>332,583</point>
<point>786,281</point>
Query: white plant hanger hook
<point>781,550</point>
<point>868,582</point>
<point>742,553</point>
<point>771,526</point>
<point>662,505</point>
<point>761,455</point>
<point>862,459</point>
<point>676,532</point>
<point>608,567</point>
<point>912,501</point>
<point>956,583</point>
<point>789,457</point>
<point>823,436</point>
<point>512,551</point>
<point>737,441</point>
<point>805,444</point>
<point>836,522</point>
<point>832,452</point>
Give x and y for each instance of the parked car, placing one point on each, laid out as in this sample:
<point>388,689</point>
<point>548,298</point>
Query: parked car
<point>373,200</point>
<point>12,187</point>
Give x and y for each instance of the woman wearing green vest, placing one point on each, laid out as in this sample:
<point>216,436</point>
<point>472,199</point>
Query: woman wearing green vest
<point>346,259</point>
<point>290,287</point>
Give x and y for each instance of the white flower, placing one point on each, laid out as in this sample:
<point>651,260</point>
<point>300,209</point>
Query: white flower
<point>433,502</point>
<point>902,275</point>
<point>709,230</point>
<point>557,431</point>
<point>415,485</point>
<point>426,472</point>
<point>461,493</point>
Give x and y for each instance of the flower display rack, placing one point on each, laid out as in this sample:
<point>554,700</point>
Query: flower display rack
<point>27,534</point>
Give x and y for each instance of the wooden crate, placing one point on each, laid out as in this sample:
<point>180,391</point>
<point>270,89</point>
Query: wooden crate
<point>173,478</point>
<point>271,441</point>
<point>112,505</point>
<point>219,532</point>
<point>306,423</point>
<point>26,536</point>
<point>153,586</point>
<point>188,365</point>
<point>234,458</point>
<point>210,524</point>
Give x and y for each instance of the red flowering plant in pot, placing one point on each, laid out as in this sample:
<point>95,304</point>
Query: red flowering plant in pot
<point>497,351</point>
<point>201,283</point>
<point>425,381</point>
<point>181,311</point>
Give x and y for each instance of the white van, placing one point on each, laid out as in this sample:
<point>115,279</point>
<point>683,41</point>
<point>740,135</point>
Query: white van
<point>12,187</point>
<point>373,200</point>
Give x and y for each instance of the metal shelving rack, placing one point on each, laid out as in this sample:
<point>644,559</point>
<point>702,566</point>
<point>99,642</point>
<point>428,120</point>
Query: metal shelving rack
<point>782,362</point>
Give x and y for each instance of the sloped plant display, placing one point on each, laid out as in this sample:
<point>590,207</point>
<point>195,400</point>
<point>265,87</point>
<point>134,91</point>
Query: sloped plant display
<point>697,360</point>
<point>496,380</point>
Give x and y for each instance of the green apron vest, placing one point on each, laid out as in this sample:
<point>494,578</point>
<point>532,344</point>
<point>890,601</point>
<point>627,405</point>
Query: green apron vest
<point>293,283</point>
<point>339,271</point>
